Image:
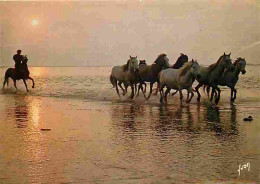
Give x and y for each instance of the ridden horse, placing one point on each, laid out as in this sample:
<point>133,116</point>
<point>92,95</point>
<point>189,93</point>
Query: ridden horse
<point>15,75</point>
<point>149,73</point>
<point>211,74</point>
<point>229,78</point>
<point>127,74</point>
<point>178,79</point>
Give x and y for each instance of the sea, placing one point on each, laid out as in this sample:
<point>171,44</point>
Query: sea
<point>73,128</point>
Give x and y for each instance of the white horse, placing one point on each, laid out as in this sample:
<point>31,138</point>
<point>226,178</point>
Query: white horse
<point>211,74</point>
<point>178,79</point>
<point>127,74</point>
<point>229,78</point>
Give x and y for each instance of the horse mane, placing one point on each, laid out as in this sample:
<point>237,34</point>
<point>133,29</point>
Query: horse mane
<point>159,58</point>
<point>185,68</point>
<point>214,65</point>
<point>125,66</point>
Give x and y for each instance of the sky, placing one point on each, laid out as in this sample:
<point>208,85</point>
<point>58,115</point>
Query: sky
<point>105,33</point>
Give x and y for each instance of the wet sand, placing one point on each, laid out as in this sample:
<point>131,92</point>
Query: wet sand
<point>125,141</point>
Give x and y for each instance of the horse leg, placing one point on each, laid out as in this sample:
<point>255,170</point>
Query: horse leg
<point>208,90</point>
<point>188,95</point>
<point>15,84</point>
<point>120,85</point>
<point>6,81</point>
<point>166,93</point>
<point>174,93</point>
<point>151,89</point>
<point>235,94</point>
<point>197,90</point>
<point>132,93</point>
<point>218,98</point>
<point>161,92</point>
<point>231,94</point>
<point>212,94</point>
<point>32,81</point>
<point>145,87</point>
<point>138,90</point>
<point>192,94</point>
<point>24,81</point>
<point>117,89</point>
<point>156,89</point>
<point>181,96</point>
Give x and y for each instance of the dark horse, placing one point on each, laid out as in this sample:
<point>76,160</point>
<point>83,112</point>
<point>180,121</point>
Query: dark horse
<point>149,73</point>
<point>23,74</point>
<point>180,61</point>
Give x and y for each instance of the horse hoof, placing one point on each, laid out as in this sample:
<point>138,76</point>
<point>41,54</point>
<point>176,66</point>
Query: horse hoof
<point>161,100</point>
<point>198,99</point>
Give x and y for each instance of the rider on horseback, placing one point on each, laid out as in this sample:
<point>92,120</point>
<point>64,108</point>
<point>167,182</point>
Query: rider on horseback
<point>18,61</point>
<point>20,71</point>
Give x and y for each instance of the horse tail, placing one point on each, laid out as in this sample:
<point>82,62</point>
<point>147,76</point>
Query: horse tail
<point>111,80</point>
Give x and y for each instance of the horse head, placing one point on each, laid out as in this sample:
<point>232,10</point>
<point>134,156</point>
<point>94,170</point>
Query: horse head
<point>142,62</point>
<point>132,64</point>
<point>225,60</point>
<point>162,61</point>
<point>241,64</point>
<point>195,67</point>
<point>25,59</point>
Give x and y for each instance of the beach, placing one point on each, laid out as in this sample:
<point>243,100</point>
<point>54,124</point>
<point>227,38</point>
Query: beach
<point>73,128</point>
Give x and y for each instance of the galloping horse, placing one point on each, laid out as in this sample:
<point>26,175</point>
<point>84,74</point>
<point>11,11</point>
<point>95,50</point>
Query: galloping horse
<point>182,59</point>
<point>211,74</point>
<point>149,73</point>
<point>178,79</point>
<point>23,74</point>
<point>141,62</point>
<point>229,78</point>
<point>127,74</point>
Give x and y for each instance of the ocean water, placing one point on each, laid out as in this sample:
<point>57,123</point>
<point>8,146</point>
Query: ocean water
<point>73,128</point>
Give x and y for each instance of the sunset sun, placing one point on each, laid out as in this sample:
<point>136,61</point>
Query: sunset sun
<point>34,22</point>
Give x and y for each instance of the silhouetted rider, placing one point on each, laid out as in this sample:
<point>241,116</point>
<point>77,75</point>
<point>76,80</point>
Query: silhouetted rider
<point>18,60</point>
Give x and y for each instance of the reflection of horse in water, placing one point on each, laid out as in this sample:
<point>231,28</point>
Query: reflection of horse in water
<point>215,120</point>
<point>15,75</point>
<point>21,111</point>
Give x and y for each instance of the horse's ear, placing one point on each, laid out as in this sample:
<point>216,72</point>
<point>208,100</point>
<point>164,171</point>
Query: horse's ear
<point>136,57</point>
<point>229,54</point>
<point>130,56</point>
<point>224,53</point>
<point>192,60</point>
